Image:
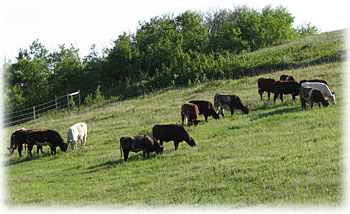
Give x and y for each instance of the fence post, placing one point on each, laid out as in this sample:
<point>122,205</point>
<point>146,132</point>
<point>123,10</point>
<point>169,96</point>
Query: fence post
<point>68,100</point>
<point>34,113</point>
<point>79,98</point>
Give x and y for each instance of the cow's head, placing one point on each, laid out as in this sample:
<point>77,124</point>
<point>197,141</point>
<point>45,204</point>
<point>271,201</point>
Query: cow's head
<point>196,122</point>
<point>245,109</point>
<point>63,146</point>
<point>332,98</point>
<point>325,102</point>
<point>158,148</point>
<point>191,142</point>
<point>214,113</point>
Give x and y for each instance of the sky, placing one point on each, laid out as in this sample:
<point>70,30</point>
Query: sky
<point>84,23</point>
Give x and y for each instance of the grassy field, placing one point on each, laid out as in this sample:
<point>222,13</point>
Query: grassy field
<point>277,155</point>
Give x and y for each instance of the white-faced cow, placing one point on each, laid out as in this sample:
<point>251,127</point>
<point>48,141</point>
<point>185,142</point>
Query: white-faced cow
<point>312,95</point>
<point>266,84</point>
<point>189,112</point>
<point>323,88</point>
<point>231,101</point>
<point>172,132</point>
<point>77,132</point>
<point>145,143</point>
<point>206,108</point>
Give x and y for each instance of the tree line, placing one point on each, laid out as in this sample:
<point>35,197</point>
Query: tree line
<point>167,50</point>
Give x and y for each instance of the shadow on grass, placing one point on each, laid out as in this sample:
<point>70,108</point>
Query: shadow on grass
<point>277,112</point>
<point>22,159</point>
<point>113,163</point>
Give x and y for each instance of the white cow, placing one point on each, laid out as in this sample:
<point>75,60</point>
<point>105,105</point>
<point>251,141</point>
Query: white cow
<point>323,88</point>
<point>77,132</point>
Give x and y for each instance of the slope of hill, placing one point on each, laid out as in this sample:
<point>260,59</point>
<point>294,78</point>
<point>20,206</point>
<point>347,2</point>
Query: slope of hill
<point>276,155</point>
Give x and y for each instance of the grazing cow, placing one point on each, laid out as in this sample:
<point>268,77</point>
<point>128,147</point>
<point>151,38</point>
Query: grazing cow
<point>286,87</point>
<point>77,132</point>
<point>322,87</point>
<point>45,137</point>
<point>266,84</point>
<point>206,108</point>
<point>190,112</point>
<point>172,132</point>
<point>145,143</point>
<point>18,138</point>
<point>229,100</point>
<point>312,95</point>
<point>287,77</point>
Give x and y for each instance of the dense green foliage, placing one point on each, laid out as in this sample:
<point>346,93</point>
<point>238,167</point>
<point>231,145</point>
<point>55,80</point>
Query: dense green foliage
<point>186,49</point>
<point>277,155</point>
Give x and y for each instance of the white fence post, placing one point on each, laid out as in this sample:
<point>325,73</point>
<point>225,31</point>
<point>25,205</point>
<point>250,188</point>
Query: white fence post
<point>34,113</point>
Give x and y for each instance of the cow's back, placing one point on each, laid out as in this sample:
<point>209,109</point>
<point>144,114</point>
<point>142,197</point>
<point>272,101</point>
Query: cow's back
<point>287,87</point>
<point>168,132</point>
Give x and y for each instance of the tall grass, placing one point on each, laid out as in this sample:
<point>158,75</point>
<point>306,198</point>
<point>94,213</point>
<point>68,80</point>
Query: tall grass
<point>276,155</point>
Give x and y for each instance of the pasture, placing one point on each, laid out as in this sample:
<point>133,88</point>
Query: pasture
<point>277,155</point>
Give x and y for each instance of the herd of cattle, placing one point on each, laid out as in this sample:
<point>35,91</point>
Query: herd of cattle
<point>311,91</point>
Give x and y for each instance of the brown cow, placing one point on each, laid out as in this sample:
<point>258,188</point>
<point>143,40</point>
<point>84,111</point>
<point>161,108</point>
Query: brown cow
<point>312,95</point>
<point>206,108</point>
<point>286,87</point>
<point>18,138</point>
<point>172,132</point>
<point>190,112</point>
<point>145,143</point>
<point>45,137</point>
<point>266,84</point>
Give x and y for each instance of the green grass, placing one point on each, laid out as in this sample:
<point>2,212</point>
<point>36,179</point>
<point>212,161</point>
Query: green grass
<point>276,155</point>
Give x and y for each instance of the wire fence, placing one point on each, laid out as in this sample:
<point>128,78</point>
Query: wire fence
<point>33,113</point>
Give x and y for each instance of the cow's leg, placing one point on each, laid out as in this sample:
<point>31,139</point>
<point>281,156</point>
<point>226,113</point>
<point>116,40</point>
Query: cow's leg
<point>84,140</point>
<point>20,147</point>
<point>30,147</point>
<point>261,92</point>
<point>53,150</point>
<point>281,97</point>
<point>293,95</point>
<point>221,111</point>
<point>319,104</point>
<point>268,95</point>
<point>126,154</point>
<point>144,154</point>
<point>182,119</point>
<point>311,104</point>
<point>303,103</point>
<point>176,144</point>
<point>275,98</point>
<point>232,110</point>
<point>206,117</point>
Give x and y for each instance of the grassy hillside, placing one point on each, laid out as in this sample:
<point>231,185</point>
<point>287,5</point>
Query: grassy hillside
<point>276,155</point>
